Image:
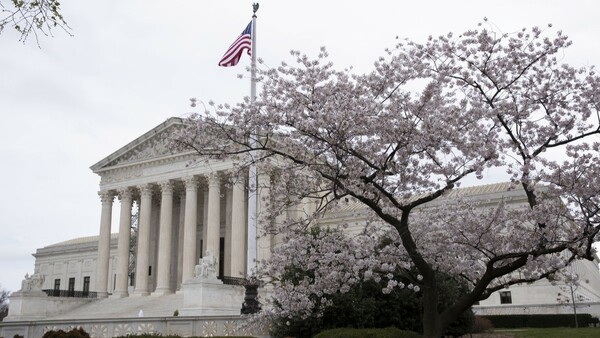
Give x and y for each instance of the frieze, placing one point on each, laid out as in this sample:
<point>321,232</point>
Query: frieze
<point>120,175</point>
<point>165,168</point>
<point>147,169</point>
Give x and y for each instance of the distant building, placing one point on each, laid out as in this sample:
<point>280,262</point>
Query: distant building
<point>545,297</point>
<point>71,265</point>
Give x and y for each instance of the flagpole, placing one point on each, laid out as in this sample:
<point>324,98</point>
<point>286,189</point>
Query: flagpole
<point>251,303</point>
<point>252,191</point>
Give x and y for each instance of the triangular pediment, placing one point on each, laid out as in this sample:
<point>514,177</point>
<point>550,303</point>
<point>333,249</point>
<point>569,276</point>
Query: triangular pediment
<point>153,144</point>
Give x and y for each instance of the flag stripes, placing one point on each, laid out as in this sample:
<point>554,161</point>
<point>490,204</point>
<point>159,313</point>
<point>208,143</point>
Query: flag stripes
<point>234,53</point>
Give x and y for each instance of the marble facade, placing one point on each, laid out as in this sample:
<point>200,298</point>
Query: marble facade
<point>186,207</point>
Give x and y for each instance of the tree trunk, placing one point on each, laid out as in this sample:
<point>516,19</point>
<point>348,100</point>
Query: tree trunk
<point>432,326</point>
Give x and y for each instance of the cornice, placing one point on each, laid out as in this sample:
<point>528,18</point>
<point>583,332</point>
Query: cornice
<point>166,159</point>
<point>70,247</point>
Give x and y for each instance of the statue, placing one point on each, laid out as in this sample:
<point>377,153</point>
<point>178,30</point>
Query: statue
<point>207,266</point>
<point>32,283</point>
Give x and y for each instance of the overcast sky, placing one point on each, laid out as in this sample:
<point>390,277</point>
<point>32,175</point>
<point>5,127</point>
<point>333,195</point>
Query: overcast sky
<point>132,64</point>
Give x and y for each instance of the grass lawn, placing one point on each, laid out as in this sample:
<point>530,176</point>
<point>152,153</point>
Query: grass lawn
<point>558,332</point>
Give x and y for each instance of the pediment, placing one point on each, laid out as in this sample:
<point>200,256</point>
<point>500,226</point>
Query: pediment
<point>154,144</point>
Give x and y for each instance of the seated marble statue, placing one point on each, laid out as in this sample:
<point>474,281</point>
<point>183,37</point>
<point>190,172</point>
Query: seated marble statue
<point>207,266</point>
<point>32,283</point>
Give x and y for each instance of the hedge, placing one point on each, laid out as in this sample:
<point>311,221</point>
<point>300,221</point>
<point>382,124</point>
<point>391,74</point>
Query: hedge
<point>562,320</point>
<point>390,332</point>
<point>158,335</point>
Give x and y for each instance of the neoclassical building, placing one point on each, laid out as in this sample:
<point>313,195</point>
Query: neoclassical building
<point>186,207</point>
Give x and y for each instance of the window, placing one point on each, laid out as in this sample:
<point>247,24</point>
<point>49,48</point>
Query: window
<point>86,285</point>
<point>56,291</point>
<point>71,287</point>
<point>150,270</point>
<point>505,297</point>
<point>221,256</point>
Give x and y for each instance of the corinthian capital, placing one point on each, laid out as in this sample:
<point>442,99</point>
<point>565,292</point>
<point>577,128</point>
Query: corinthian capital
<point>125,194</point>
<point>106,196</point>
<point>145,189</point>
<point>190,182</point>
<point>214,178</point>
<point>166,185</point>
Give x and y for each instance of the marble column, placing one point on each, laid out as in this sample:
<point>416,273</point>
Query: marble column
<point>263,245</point>
<point>180,240</point>
<point>204,221</point>
<point>164,240</point>
<point>189,228</point>
<point>106,197</point>
<point>125,196</point>
<point>227,238</point>
<point>238,229</point>
<point>143,241</point>
<point>214,216</point>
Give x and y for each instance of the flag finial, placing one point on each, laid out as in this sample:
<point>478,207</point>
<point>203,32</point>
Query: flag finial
<point>254,8</point>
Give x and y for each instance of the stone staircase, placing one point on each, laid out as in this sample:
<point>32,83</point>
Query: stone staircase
<point>129,307</point>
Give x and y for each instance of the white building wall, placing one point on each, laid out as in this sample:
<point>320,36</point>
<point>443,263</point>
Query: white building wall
<point>73,259</point>
<point>543,296</point>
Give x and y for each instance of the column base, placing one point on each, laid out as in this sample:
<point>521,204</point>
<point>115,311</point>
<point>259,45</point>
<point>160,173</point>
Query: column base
<point>118,295</point>
<point>162,292</point>
<point>101,294</point>
<point>139,293</point>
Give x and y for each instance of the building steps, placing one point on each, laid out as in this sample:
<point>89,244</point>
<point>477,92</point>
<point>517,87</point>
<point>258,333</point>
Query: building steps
<point>151,306</point>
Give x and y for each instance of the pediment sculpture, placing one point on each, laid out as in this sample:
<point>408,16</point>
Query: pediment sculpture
<point>32,283</point>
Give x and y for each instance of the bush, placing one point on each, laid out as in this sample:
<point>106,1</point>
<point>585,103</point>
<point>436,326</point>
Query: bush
<point>563,320</point>
<point>390,332</point>
<point>366,306</point>
<point>159,335</point>
<point>74,333</point>
<point>481,325</point>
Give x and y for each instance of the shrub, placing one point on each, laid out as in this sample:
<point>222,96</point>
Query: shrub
<point>390,332</point>
<point>481,325</point>
<point>551,320</point>
<point>74,333</point>
<point>159,335</point>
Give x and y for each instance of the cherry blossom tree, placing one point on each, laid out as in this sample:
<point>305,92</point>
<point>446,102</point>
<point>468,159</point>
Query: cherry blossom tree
<point>32,17</point>
<point>399,139</point>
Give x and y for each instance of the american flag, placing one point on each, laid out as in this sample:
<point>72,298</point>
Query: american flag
<point>234,53</point>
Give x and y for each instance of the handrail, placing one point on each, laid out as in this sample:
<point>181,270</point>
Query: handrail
<point>70,293</point>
